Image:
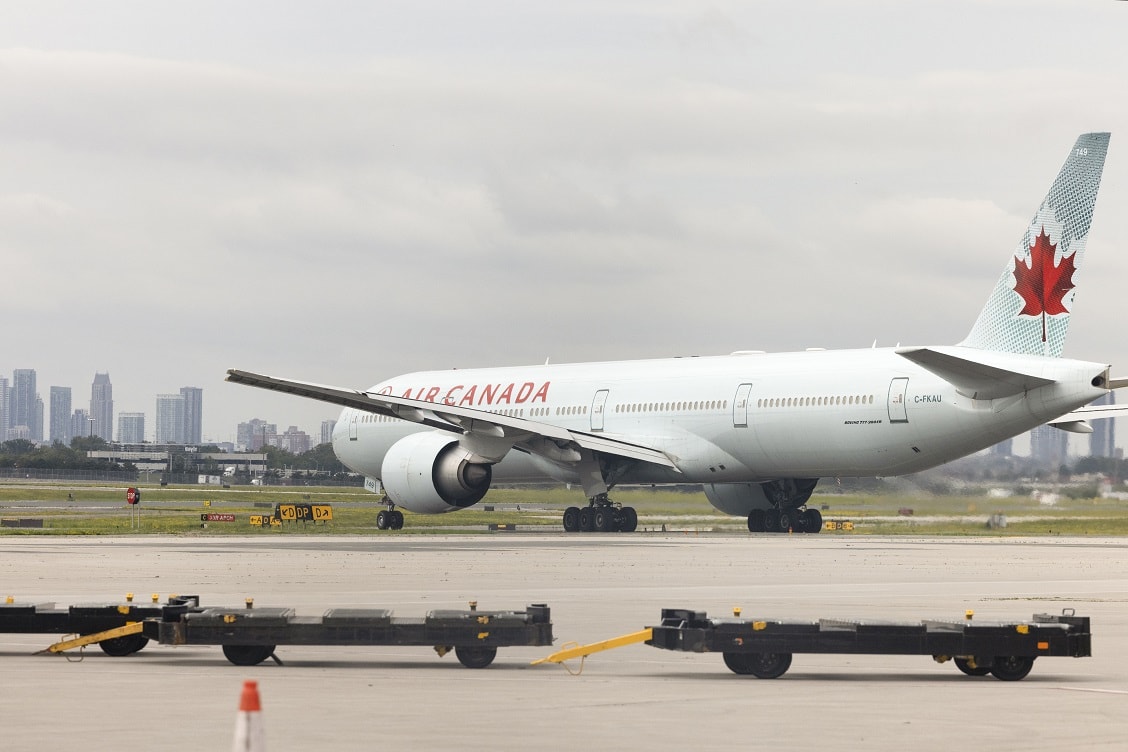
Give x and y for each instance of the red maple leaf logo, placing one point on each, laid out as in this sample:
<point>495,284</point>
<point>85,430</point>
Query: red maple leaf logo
<point>1041,284</point>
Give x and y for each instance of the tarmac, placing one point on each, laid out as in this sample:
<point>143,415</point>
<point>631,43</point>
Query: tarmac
<point>598,586</point>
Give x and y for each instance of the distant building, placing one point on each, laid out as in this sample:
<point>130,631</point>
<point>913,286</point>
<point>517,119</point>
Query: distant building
<point>294,441</point>
<point>170,419</point>
<point>254,434</point>
<point>102,406</point>
<point>81,424</point>
<point>1102,441</point>
<point>193,413</point>
<point>61,415</point>
<point>131,428</point>
<point>1003,448</point>
<point>1049,447</point>
<point>5,406</point>
<point>23,403</point>
<point>327,427</point>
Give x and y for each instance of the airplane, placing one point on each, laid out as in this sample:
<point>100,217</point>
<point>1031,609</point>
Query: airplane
<point>756,430</point>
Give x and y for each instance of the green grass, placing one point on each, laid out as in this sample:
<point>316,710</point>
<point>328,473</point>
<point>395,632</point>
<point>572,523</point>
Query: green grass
<point>175,510</point>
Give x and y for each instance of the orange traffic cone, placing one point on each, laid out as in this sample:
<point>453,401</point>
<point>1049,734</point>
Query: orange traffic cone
<point>249,733</point>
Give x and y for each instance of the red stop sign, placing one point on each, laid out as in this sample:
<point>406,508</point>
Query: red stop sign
<point>132,496</point>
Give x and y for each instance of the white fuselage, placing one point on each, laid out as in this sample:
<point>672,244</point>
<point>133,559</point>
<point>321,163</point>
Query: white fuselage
<point>738,418</point>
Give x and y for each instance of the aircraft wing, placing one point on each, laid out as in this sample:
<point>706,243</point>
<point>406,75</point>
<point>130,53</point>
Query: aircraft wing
<point>534,436</point>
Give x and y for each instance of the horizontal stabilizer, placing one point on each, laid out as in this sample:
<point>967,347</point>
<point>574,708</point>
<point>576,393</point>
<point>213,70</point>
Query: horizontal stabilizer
<point>967,370</point>
<point>1094,412</point>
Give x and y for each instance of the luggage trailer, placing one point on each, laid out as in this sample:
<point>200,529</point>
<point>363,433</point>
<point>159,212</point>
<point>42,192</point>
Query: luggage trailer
<point>764,648</point>
<point>249,635</point>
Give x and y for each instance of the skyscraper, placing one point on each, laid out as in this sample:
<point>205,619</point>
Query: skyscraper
<point>1049,447</point>
<point>193,413</point>
<point>1102,441</point>
<point>102,406</point>
<point>131,428</point>
<point>327,427</point>
<point>170,419</point>
<point>5,407</point>
<point>80,424</point>
<point>23,400</point>
<point>61,414</point>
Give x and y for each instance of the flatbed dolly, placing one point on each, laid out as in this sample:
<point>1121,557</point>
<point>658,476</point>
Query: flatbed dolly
<point>764,647</point>
<point>249,636</point>
<point>85,619</point>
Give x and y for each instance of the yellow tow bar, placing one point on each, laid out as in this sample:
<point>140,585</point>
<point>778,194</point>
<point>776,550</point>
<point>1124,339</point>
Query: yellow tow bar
<point>572,650</point>
<point>134,627</point>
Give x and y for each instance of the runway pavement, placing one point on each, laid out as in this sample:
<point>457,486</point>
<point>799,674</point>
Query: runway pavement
<point>598,586</point>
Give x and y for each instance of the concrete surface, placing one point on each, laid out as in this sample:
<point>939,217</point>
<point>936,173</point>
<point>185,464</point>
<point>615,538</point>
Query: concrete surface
<point>598,586</point>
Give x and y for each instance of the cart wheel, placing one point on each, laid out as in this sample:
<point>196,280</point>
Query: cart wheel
<point>475,657</point>
<point>964,665</point>
<point>1012,667</point>
<point>124,645</point>
<point>760,665</point>
<point>247,655</point>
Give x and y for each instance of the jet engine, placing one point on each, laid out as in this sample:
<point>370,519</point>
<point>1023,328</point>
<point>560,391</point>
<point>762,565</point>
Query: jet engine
<point>737,498</point>
<point>431,473</point>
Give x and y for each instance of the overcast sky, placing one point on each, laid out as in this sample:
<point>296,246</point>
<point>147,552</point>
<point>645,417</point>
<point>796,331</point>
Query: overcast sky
<point>343,191</point>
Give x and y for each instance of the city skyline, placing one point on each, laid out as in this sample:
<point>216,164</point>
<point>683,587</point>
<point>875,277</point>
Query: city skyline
<point>186,424</point>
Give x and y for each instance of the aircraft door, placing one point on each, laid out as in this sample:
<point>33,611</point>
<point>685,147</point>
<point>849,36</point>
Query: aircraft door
<point>597,406</point>
<point>897,409</point>
<point>352,425</point>
<point>740,406</point>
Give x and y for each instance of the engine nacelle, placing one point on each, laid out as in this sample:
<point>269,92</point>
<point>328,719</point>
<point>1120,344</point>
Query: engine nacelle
<point>737,498</point>
<point>430,473</point>
<point>741,498</point>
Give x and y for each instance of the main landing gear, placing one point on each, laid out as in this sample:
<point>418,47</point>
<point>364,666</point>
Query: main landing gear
<point>389,519</point>
<point>776,520</point>
<point>601,516</point>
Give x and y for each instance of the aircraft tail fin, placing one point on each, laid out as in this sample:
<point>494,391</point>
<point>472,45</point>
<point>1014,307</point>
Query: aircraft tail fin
<point>1028,311</point>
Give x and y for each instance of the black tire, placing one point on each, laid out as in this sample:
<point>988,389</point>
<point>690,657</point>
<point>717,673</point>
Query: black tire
<point>1011,667</point>
<point>475,657</point>
<point>572,520</point>
<point>812,520</point>
<point>396,519</point>
<point>124,645</point>
<point>964,665</point>
<point>628,520</point>
<point>247,655</point>
<point>771,521</point>
<point>756,523</point>
<point>760,665</point>
<point>382,519</point>
<point>785,520</point>
<point>603,520</point>
<point>586,520</point>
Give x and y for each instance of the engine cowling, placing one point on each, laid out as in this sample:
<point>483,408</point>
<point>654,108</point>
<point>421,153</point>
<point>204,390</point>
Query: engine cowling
<point>741,498</point>
<point>430,473</point>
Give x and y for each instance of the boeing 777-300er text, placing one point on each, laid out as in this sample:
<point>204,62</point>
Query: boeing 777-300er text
<point>757,430</point>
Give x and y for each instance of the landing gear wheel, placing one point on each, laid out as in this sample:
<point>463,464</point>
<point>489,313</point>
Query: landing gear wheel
<point>760,665</point>
<point>124,645</point>
<point>785,520</point>
<point>971,667</point>
<point>771,521</point>
<point>603,520</point>
<point>1011,667</point>
<point>247,655</point>
<point>756,523</point>
<point>628,520</point>
<point>572,520</point>
<point>475,657</point>
<point>382,519</point>
<point>587,523</point>
<point>812,520</point>
<point>396,519</point>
